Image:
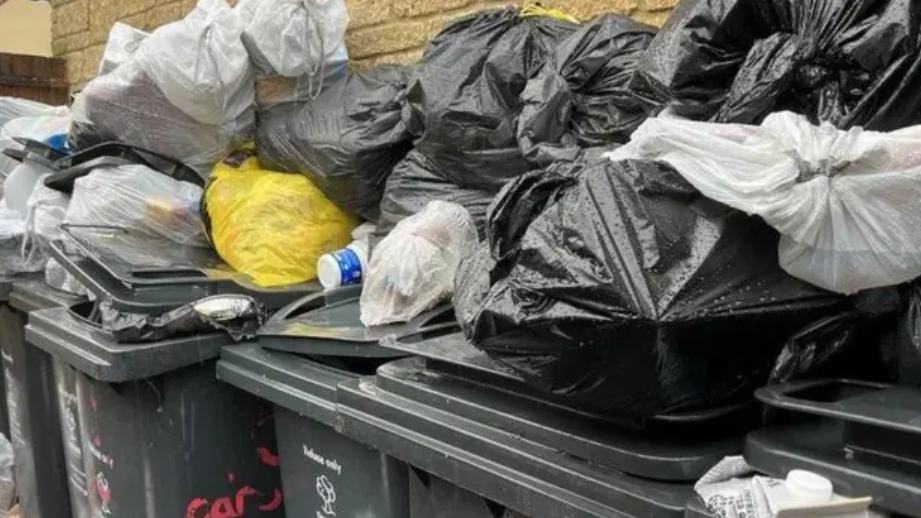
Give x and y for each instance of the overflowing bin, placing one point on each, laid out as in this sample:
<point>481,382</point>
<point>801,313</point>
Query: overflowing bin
<point>35,419</point>
<point>304,353</point>
<point>480,440</point>
<point>862,436</point>
<point>160,436</point>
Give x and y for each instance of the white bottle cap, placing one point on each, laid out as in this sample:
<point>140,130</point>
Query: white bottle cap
<point>328,272</point>
<point>809,487</point>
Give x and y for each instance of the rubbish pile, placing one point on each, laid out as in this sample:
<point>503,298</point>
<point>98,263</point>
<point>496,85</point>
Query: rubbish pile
<point>635,222</point>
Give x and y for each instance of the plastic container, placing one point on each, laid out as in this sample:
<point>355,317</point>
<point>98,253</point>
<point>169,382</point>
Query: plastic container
<point>343,267</point>
<point>324,473</point>
<point>160,435</point>
<point>34,409</point>
<point>481,443</point>
<point>863,437</point>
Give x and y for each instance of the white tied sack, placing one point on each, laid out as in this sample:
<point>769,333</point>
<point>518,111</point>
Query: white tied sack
<point>137,198</point>
<point>200,63</point>
<point>845,202</point>
<point>124,42</point>
<point>412,269</point>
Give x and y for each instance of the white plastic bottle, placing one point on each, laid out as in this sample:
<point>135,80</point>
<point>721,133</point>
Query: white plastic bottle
<point>348,266</point>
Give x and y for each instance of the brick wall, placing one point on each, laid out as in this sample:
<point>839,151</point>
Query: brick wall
<point>381,31</point>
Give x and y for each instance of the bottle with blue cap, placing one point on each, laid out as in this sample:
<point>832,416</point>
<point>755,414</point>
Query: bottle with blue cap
<point>348,266</point>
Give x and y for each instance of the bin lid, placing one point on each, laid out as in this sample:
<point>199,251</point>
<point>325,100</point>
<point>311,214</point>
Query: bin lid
<point>86,347</point>
<point>864,436</point>
<point>299,384</point>
<point>484,457</point>
<point>6,283</point>
<point>675,457</point>
<point>448,351</point>
<point>329,324</point>
<point>31,295</point>
<point>147,275</point>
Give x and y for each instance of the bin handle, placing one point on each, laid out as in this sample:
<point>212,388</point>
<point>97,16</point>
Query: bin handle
<point>74,269</point>
<point>315,301</point>
<point>779,396</point>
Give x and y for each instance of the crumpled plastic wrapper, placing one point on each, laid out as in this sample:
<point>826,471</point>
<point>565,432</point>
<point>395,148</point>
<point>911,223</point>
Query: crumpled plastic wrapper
<point>237,315</point>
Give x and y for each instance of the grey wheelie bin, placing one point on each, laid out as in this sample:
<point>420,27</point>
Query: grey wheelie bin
<point>160,436</point>
<point>865,437</point>
<point>304,353</point>
<point>33,399</point>
<point>482,445</point>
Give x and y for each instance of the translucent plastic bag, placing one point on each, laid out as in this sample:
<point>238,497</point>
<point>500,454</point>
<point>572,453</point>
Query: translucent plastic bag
<point>124,42</point>
<point>126,106</point>
<point>13,239</point>
<point>298,46</point>
<point>271,226</point>
<point>200,63</point>
<point>413,268</point>
<point>845,202</point>
<point>52,121</point>
<point>135,197</point>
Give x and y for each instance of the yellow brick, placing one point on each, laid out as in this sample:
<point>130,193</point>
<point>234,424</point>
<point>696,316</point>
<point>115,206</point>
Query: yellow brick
<point>587,9</point>
<point>74,66</point>
<point>386,39</point>
<point>91,58</point>
<point>412,8</point>
<point>70,18</point>
<point>364,13</point>
<point>104,13</point>
<point>656,18</point>
<point>160,15</point>
<point>657,5</point>
<point>66,44</point>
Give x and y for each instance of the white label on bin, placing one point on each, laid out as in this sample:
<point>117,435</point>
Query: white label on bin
<point>327,493</point>
<point>331,464</point>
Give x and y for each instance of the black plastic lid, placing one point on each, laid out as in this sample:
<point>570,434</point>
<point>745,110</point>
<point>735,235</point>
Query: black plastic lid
<point>155,290</point>
<point>329,324</point>
<point>32,295</point>
<point>865,437</point>
<point>298,384</point>
<point>84,346</point>
<point>447,351</point>
<point>524,475</point>
<point>675,457</point>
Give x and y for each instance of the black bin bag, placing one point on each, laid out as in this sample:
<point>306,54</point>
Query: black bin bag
<point>620,288</point>
<point>464,103</point>
<point>347,139</point>
<point>847,62</point>
<point>581,98</point>
<point>414,183</point>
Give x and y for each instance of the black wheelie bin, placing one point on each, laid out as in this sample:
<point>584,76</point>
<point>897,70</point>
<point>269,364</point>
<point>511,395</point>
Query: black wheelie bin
<point>483,445</point>
<point>304,353</point>
<point>865,437</point>
<point>34,401</point>
<point>160,435</point>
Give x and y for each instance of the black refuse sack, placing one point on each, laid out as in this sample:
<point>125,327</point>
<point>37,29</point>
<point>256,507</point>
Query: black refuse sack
<point>465,101</point>
<point>237,315</point>
<point>619,287</point>
<point>847,62</point>
<point>581,98</point>
<point>414,183</point>
<point>347,139</point>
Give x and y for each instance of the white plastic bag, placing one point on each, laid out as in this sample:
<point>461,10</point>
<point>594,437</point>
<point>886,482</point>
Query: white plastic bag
<point>298,46</point>
<point>412,269</point>
<point>200,63</point>
<point>124,42</point>
<point>13,240</point>
<point>845,202</point>
<point>137,198</point>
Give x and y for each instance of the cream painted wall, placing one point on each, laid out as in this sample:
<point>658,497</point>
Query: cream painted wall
<point>25,27</point>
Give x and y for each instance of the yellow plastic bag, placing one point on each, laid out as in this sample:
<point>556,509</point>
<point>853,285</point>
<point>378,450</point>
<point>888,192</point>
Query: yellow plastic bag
<point>272,226</point>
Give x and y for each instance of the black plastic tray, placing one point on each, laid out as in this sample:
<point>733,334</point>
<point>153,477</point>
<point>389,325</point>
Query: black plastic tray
<point>157,289</point>
<point>863,436</point>
<point>329,324</point>
<point>484,457</point>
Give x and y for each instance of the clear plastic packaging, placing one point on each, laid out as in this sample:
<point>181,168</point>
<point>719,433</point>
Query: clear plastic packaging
<point>845,202</point>
<point>135,197</point>
<point>412,269</point>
